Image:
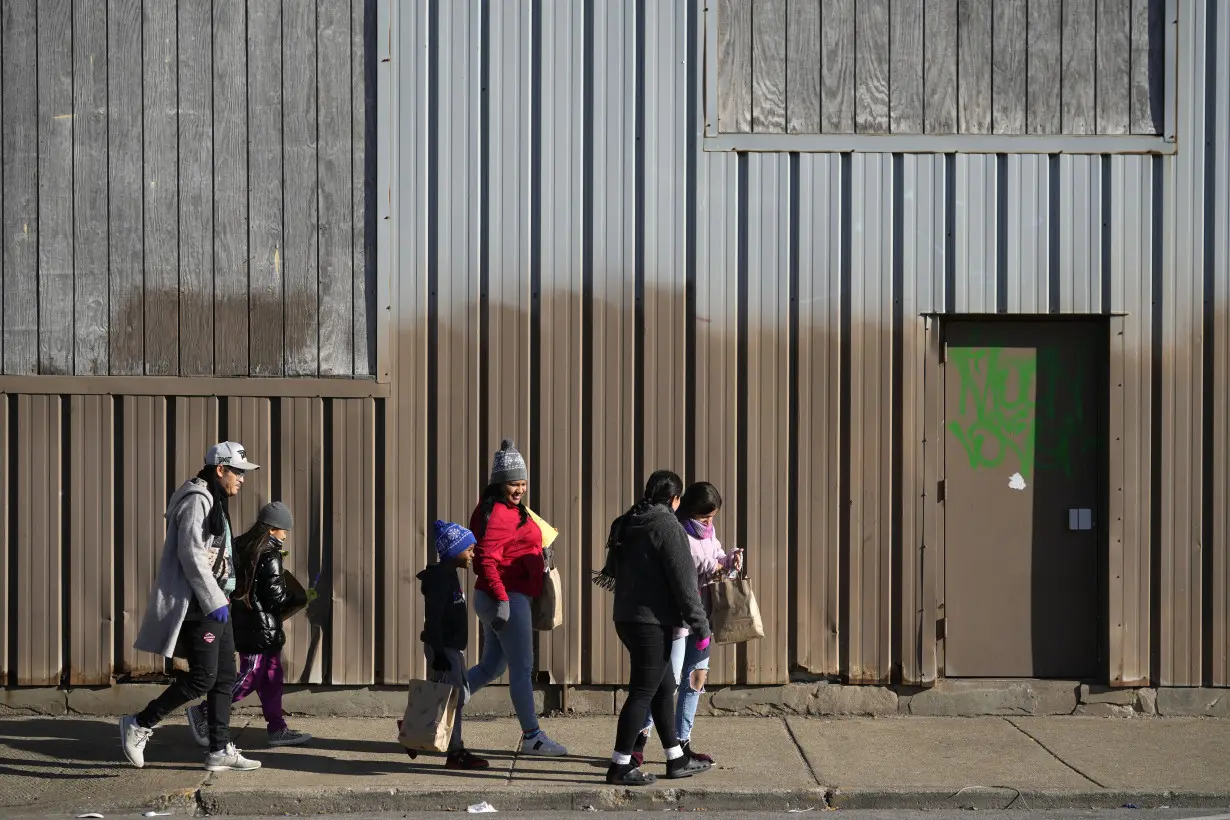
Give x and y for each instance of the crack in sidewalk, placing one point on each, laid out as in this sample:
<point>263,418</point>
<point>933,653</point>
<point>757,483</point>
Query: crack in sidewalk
<point>1044,748</point>
<point>799,748</point>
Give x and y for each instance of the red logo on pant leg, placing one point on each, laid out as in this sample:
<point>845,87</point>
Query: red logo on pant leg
<point>209,637</point>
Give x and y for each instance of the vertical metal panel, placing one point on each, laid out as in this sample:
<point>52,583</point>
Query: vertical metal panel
<point>561,320</point>
<point>819,396</point>
<point>922,276</point>
<point>301,473</point>
<point>768,411</point>
<point>976,233</point>
<point>144,454</point>
<point>1029,216</point>
<point>38,550</point>
<point>196,430</point>
<point>1080,234</point>
<point>1219,227</point>
<point>716,415</point>
<point>402,244</point>
<point>665,180</point>
<point>92,544</point>
<point>612,483</point>
<point>248,422</point>
<point>871,414</point>
<point>7,549</point>
<point>353,537</point>
<point>1182,370</point>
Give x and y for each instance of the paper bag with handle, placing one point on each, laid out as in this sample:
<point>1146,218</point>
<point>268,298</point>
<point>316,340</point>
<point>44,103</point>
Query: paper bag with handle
<point>736,615</point>
<point>427,724</point>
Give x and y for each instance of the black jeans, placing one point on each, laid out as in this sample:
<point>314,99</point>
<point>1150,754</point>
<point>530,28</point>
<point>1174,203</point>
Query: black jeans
<point>210,649</point>
<point>651,685</point>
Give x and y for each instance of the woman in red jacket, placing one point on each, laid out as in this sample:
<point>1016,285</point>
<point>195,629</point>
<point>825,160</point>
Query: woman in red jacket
<point>508,566</point>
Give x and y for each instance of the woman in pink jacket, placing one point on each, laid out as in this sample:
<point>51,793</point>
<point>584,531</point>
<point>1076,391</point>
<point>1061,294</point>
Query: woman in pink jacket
<point>700,505</point>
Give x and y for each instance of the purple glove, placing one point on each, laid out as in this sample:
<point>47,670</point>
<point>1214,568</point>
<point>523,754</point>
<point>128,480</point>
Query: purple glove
<point>220,614</point>
<point>702,644</point>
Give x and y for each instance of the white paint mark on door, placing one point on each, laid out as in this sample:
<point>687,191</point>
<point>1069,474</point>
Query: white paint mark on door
<point>1017,481</point>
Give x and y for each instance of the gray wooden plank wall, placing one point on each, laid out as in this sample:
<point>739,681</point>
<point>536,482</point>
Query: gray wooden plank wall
<point>1046,67</point>
<point>183,188</point>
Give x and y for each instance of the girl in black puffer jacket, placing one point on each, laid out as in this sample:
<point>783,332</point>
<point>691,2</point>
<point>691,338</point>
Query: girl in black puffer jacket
<point>258,606</point>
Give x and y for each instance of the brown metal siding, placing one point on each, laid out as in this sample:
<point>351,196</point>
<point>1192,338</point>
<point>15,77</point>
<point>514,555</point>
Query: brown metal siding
<point>143,454</point>
<point>40,588</point>
<point>248,421</point>
<point>300,466</point>
<point>91,536</point>
<point>6,546</point>
<point>352,538</point>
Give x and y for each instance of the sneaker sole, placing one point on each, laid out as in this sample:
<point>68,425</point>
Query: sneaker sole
<point>127,754</point>
<point>682,775</point>
<point>273,744</point>
<point>231,768</point>
<point>536,753</point>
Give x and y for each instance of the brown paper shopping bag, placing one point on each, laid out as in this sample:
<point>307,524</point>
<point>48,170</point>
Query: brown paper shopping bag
<point>427,724</point>
<point>736,616</point>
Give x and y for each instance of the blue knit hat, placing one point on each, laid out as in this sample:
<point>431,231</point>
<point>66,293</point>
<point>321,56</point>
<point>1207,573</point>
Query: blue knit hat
<point>452,540</point>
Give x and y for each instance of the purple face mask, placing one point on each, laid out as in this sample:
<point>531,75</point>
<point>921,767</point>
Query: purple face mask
<point>698,530</point>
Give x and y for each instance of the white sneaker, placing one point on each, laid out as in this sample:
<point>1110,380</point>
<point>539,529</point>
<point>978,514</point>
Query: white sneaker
<point>229,760</point>
<point>198,724</point>
<point>542,745</point>
<point>133,738</point>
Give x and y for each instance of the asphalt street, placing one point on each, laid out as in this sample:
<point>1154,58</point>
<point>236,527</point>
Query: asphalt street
<point>1015,814</point>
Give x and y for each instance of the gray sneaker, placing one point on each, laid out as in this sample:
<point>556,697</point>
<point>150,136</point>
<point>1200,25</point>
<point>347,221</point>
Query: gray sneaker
<point>229,760</point>
<point>288,737</point>
<point>198,724</point>
<point>133,738</point>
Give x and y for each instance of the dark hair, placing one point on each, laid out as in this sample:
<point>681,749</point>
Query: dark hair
<point>701,499</point>
<point>663,487</point>
<point>493,495</point>
<point>218,518</point>
<point>249,548</point>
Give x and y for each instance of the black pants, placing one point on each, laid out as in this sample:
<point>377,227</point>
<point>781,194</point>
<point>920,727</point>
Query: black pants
<point>651,685</point>
<point>210,650</point>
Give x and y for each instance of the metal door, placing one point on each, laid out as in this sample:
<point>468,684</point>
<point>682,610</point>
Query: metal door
<point>1021,499</point>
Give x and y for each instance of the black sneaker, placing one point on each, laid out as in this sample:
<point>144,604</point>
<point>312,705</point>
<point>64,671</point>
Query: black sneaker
<point>685,767</point>
<point>628,774</point>
<point>695,755</point>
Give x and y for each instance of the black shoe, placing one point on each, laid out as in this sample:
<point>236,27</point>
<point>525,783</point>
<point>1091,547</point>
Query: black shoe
<point>628,775</point>
<point>685,767</point>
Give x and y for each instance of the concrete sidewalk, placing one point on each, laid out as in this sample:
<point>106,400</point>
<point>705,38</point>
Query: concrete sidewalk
<point>74,764</point>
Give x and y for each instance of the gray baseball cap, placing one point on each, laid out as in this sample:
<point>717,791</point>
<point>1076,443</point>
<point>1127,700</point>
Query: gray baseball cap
<point>229,454</point>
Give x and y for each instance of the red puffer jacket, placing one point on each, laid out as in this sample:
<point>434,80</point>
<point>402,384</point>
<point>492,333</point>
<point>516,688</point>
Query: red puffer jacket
<point>509,554</point>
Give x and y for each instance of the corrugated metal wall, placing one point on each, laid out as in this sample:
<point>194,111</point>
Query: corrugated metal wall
<point>562,263</point>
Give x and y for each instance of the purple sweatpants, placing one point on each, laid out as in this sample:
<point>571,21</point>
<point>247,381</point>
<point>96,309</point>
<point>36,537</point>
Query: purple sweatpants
<point>262,674</point>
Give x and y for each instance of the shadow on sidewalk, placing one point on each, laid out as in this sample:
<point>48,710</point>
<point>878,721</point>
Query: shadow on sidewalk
<point>48,747</point>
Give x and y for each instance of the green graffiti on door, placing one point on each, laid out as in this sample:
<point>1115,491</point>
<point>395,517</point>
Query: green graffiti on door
<point>1010,399</point>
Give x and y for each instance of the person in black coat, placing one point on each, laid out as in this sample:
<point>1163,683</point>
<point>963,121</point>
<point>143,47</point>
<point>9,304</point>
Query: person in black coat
<point>259,605</point>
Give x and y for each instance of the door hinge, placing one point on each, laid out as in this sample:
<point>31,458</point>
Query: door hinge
<point>940,490</point>
<point>941,629</point>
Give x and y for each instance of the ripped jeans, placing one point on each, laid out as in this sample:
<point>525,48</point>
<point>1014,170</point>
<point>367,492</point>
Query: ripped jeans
<point>685,659</point>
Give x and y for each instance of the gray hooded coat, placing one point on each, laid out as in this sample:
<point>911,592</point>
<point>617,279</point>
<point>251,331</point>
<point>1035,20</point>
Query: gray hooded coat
<point>185,571</point>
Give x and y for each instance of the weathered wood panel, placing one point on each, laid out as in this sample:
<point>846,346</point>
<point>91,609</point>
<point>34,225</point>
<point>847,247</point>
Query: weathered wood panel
<point>734,21</point>
<point>265,208</point>
<point>1148,65</point>
<point>1079,81</point>
<point>1044,65</point>
<point>803,66</point>
<point>1009,77</point>
<point>91,288</point>
<point>906,66</point>
<point>871,70</point>
<point>300,181</point>
<point>837,100</point>
<point>363,180</point>
<point>196,188</point>
<point>769,66</point>
<point>91,540</point>
<point>940,72</point>
<point>126,330</point>
<point>974,66</point>
<point>336,227</point>
<point>39,513</point>
<point>55,187</point>
<point>1114,67</point>
<point>161,206</point>
<point>230,168</point>
<point>20,196</point>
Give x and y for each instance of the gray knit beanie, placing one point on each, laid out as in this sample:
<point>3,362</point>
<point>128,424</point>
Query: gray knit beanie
<point>277,516</point>
<point>507,465</point>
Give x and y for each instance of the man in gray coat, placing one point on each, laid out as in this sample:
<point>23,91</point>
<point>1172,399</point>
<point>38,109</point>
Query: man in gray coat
<point>188,614</point>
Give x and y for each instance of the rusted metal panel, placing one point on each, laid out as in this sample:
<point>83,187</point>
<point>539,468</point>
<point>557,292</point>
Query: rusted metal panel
<point>351,575</point>
<point>1131,421</point>
<point>143,453</point>
<point>38,632</point>
<point>248,421</point>
<point>1219,227</point>
<point>92,540</point>
<point>715,420</point>
<point>1182,365</point>
<point>768,433</point>
<point>7,549</point>
<point>301,473</point>
<point>561,319</point>
<point>819,396</point>
<point>403,243</point>
<point>610,466</point>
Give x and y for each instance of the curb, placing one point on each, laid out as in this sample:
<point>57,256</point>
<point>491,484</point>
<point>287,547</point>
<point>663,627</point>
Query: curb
<point>1008,797</point>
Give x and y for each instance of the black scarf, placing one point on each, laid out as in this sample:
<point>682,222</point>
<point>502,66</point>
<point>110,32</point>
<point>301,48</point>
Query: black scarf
<point>218,519</point>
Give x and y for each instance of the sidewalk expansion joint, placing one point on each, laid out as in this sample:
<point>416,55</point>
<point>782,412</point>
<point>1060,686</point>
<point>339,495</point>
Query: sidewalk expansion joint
<point>1043,746</point>
<point>799,748</point>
